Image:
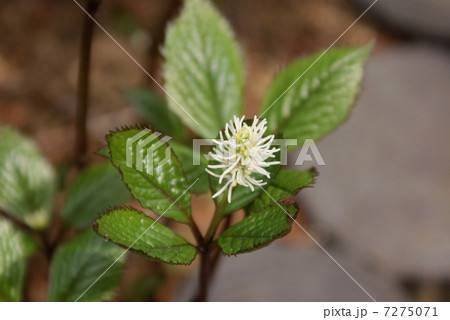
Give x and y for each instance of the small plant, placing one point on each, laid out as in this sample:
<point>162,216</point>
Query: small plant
<point>29,221</point>
<point>204,80</point>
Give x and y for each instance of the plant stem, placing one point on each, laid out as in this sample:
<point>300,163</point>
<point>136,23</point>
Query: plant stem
<point>206,263</point>
<point>217,218</point>
<point>83,83</point>
<point>215,255</point>
<point>39,236</point>
<point>204,276</point>
<point>197,234</point>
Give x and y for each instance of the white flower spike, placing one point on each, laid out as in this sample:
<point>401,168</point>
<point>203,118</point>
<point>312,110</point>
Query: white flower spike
<point>240,153</point>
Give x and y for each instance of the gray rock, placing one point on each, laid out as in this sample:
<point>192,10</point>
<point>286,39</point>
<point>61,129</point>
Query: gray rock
<point>415,17</point>
<point>385,188</point>
<point>285,273</point>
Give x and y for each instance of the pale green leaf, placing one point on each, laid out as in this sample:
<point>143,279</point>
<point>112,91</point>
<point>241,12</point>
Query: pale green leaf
<point>15,248</point>
<point>286,183</point>
<point>193,171</point>
<point>163,189</point>
<point>155,112</point>
<point>203,70</point>
<point>318,99</point>
<point>258,230</point>
<point>103,152</point>
<point>128,227</point>
<point>27,179</point>
<point>79,263</point>
<point>96,188</point>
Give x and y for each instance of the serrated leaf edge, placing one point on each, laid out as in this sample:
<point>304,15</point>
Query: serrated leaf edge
<point>140,252</point>
<point>275,237</point>
<point>286,200</point>
<point>174,202</point>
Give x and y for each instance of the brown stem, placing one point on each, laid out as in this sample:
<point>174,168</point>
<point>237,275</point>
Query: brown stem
<point>205,265</point>
<point>217,252</point>
<point>209,253</point>
<point>217,218</point>
<point>197,234</point>
<point>55,234</point>
<point>83,82</point>
<point>39,236</point>
<point>21,225</point>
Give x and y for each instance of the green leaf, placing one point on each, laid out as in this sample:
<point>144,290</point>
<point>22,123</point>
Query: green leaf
<point>258,230</point>
<point>203,71</point>
<point>320,99</point>
<point>95,189</point>
<point>164,189</point>
<point>155,112</point>
<point>286,183</point>
<point>80,263</point>
<point>15,248</point>
<point>103,152</point>
<point>128,227</point>
<point>192,171</point>
<point>27,179</point>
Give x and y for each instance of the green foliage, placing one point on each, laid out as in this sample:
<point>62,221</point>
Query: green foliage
<point>103,152</point>
<point>258,230</point>
<point>155,112</point>
<point>94,189</point>
<point>287,182</point>
<point>203,69</point>
<point>27,180</point>
<point>322,97</point>
<point>79,263</point>
<point>163,191</point>
<point>204,81</point>
<point>193,172</point>
<point>130,228</point>
<point>15,248</point>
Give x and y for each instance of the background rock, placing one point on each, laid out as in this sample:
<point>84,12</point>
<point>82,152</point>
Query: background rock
<point>429,18</point>
<point>284,273</point>
<point>385,188</point>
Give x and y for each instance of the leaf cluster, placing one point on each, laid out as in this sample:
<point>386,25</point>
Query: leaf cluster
<point>27,196</point>
<point>204,80</point>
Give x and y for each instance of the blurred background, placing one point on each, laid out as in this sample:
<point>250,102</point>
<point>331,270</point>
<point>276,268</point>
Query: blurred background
<point>381,205</point>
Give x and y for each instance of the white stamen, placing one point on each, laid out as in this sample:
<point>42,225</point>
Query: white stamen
<point>243,152</point>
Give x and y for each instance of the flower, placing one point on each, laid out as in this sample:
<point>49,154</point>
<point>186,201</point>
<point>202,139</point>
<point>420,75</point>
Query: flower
<point>241,153</point>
